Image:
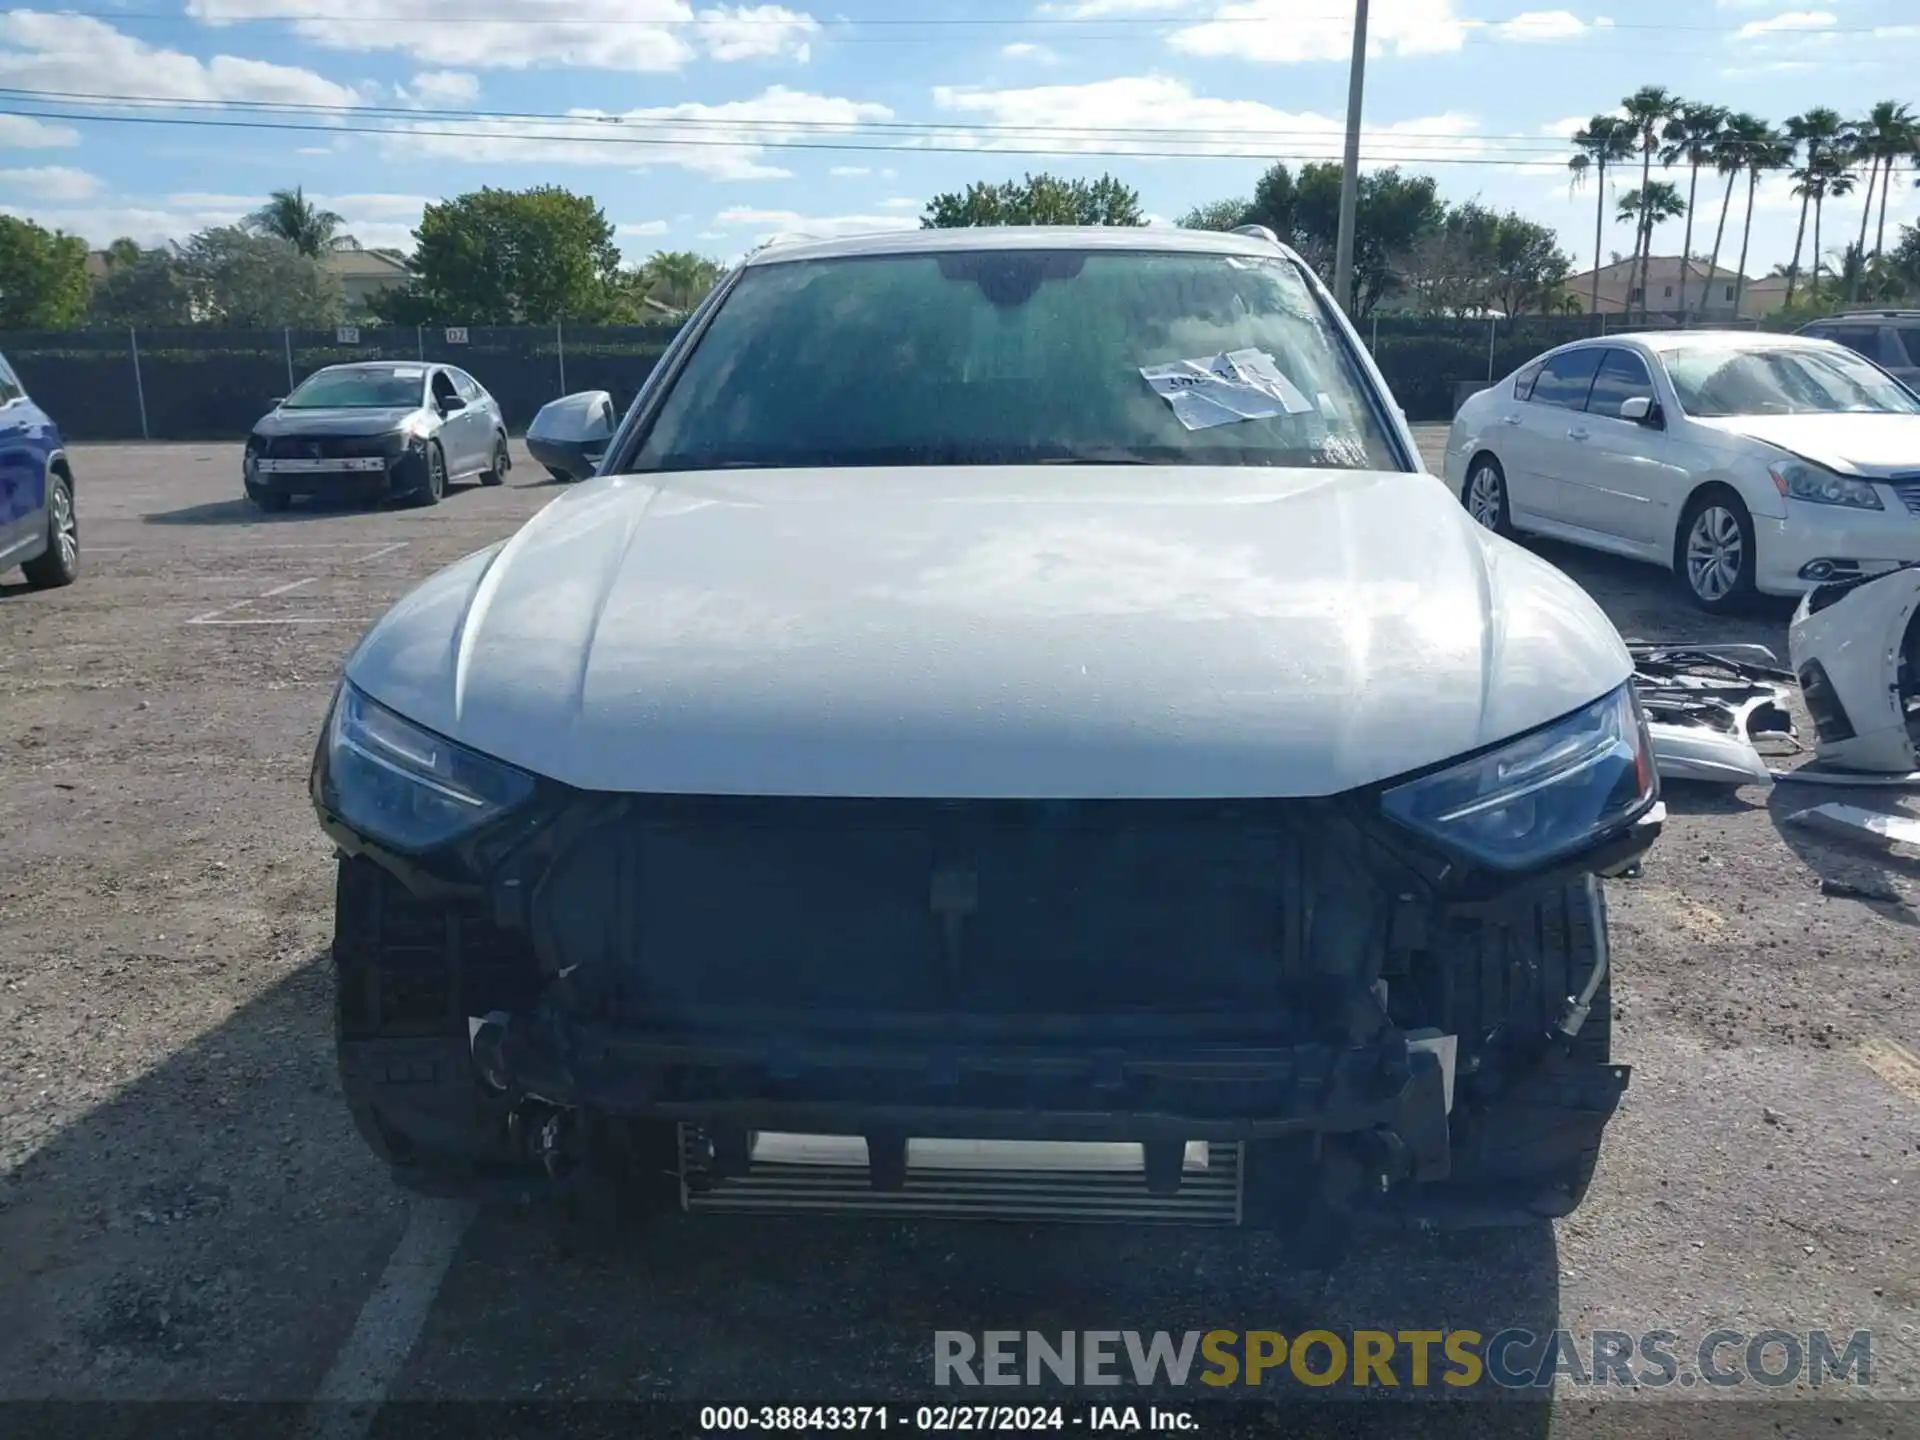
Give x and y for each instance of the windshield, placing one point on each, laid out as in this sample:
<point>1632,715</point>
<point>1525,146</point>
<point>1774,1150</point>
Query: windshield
<point>1713,382</point>
<point>1020,357</point>
<point>359,390</point>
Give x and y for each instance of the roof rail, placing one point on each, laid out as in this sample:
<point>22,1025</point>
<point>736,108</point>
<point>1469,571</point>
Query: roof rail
<point>1258,232</point>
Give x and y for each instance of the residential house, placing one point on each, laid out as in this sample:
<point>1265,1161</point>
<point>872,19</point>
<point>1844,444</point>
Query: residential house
<point>1710,294</point>
<point>363,274</point>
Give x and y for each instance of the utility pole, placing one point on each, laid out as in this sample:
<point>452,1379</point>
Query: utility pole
<point>1350,171</point>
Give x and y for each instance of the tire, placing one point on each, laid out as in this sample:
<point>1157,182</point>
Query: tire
<point>59,564</point>
<point>1716,529</point>
<point>1526,1134</point>
<point>1484,493</point>
<point>502,463</point>
<point>271,501</point>
<point>435,490</point>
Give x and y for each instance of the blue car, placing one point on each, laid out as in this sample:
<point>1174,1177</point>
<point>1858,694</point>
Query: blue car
<point>38,531</point>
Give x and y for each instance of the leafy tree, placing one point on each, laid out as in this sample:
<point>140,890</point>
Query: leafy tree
<point>1220,215</point>
<point>677,279</point>
<point>1393,213</point>
<point>124,251</point>
<point>1692,137</point>
<point>149,287</point>
<point>1481,259</point>
<point>288,215</point>
<point>1605,140</point>
<point>43,277</point>
<point>253,281</point>
<point>510,257</point>
<point>1036,200</point>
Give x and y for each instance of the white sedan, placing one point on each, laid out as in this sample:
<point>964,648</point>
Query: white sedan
<point>1744,462</point>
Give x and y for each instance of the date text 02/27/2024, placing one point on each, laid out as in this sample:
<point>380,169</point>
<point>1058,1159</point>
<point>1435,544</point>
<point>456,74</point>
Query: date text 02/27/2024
<point>943,1419</point>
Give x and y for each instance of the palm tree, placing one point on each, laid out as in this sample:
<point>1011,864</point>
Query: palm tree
<point>1896,134</point>
<point>1657,203</point>
<point>1766,149</point>
<point>1647,110</point>
<point>1691,138</point>
<point>678,279</point>
<point>1831,177</point>
<point>1818,129</point>
<point>1604,140</point>
<point>1730,159</point>
<point>291,217</point>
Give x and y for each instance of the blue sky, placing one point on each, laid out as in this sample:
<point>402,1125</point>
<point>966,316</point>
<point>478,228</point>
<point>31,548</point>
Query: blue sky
<point>709,125</point>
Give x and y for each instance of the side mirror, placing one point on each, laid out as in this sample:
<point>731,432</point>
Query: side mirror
<point>1641,410</point>
<point>570,435</point>
<point>452,403</point>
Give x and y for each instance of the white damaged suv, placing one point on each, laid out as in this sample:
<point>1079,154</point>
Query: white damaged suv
<point>1001,685</point>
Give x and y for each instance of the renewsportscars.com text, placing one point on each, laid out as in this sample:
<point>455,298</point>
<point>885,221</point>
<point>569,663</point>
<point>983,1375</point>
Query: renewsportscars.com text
<point>1402,1359</point>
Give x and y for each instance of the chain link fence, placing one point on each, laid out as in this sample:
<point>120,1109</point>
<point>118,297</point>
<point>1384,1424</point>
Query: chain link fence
<point>204,383</point>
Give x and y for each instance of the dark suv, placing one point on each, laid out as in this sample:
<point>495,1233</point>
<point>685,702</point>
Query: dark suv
<point>1889,338</point>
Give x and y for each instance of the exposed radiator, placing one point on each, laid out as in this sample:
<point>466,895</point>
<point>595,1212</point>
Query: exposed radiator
<point>970,1179</point>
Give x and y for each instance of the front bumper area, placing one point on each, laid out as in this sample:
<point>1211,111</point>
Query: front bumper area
<point>1819,544</point>
<point>344,478</point>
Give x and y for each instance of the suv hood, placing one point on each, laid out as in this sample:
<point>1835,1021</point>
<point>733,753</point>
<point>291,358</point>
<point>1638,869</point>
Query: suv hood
<point>1046,631</point>
<point>335,422</point>
<point>1856,444</point>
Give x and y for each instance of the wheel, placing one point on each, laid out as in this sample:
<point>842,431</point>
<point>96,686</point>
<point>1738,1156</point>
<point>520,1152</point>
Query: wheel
<point>1714,555</point>
<point>272,501</point>
<point>1485,495</point>
<point>496,474</point>
<point>59,564</point>
<point>435,490</point>
<point>1528,1116</point>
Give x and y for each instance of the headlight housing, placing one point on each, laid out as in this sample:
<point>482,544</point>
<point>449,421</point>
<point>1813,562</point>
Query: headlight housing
<point>405,786</point>
<point>1541,796</point>
<point>1797,480</point>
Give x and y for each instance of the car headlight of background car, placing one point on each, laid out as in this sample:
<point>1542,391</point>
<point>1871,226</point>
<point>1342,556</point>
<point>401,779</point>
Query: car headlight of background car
<point>1541,796</point>
<point>405,786</point>
<point>1797,480</point>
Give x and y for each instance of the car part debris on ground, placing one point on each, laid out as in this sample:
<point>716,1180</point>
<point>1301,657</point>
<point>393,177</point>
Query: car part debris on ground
<point>1875,827</point>
<point>1855,651</point>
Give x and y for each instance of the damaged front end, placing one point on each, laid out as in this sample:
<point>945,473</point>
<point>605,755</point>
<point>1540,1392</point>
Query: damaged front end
<point>910,1004</point>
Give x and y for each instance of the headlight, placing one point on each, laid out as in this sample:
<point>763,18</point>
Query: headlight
<point>1797,480</point>
<point>1541,796</point>
<point>406,786</point>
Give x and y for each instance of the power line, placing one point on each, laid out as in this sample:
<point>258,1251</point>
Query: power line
<point>769,144</point>
<point>1544,145</point>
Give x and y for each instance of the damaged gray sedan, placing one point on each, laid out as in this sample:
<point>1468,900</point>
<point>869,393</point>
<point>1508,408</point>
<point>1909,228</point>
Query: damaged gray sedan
<point>1009,729</point>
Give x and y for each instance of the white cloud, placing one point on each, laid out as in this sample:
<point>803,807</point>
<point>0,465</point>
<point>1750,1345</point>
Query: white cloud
<point>77,54</point>
<point>1565,128</point>
<point>626,35</point>
<point>148,225</point>
<point>634,230</point>
<point>711,235</point>
<point>22,132</point>
<point>725,141</point>
<point>1792,20</point>
<point>1036,117</point>
<point>849,170</point>
<point>768,223</point>
<point>57,184</point>
<point>445,87</point>
<point>1278,31</point>
<point>1094,9</point>
<point>1027,50</point>
<point>900,202</point>
<point>757,32</point>
<point>1540,25</point>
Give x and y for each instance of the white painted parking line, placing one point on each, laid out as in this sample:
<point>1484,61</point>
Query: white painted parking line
<point>370,1360</point>
<point>383,550</point>
<point>210,617</point>
<point>1895,1064</point>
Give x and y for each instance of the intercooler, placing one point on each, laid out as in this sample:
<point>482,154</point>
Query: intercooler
<point>967,1179</point>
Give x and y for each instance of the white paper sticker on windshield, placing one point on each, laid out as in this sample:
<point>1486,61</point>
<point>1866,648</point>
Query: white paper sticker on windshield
<point>1237,385</point>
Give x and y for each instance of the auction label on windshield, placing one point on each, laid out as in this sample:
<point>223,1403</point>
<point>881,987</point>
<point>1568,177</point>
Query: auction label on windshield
<point>947,1419</point>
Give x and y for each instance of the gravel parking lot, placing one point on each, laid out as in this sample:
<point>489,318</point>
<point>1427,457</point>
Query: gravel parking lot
<point>185,1211</point>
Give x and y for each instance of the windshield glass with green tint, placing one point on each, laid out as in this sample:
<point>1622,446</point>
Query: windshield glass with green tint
<point>359,390</point>
<point>997,357</point>
<point>1713,382</point>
